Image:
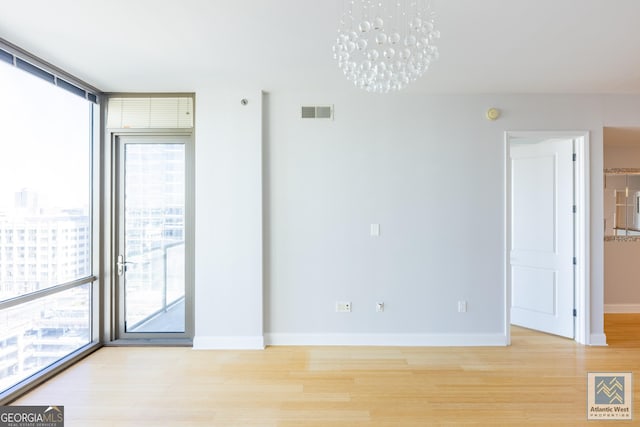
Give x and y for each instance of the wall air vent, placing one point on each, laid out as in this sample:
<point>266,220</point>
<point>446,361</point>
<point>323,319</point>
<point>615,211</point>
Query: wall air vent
<point>317,112</point>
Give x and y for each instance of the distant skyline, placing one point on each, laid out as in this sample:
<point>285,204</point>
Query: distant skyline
<point>49,155</point>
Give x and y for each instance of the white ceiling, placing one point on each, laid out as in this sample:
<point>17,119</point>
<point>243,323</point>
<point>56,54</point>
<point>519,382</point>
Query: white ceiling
<point>488,46</point>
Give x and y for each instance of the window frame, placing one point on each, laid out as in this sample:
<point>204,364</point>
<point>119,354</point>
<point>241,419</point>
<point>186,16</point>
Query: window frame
<point>76,87</point>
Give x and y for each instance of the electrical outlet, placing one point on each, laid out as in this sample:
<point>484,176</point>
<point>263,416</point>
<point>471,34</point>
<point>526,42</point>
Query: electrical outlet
<point>380,307</point>
<point>462,306</point>
<point>343,307</point>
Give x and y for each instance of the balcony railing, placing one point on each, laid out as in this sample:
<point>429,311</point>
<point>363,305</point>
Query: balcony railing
<point>156,290</point>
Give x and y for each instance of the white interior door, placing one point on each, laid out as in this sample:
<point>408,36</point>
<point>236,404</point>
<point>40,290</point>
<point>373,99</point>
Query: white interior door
<point>542,235</point>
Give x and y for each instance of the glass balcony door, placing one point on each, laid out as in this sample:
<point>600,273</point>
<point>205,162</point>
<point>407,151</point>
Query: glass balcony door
<point>152,232</point>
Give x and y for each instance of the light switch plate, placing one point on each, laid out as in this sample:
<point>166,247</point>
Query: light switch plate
<point>462,306</point>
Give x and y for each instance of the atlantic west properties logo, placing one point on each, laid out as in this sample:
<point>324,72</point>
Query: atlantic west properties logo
<point>31,416</point>
<point>609,396</point>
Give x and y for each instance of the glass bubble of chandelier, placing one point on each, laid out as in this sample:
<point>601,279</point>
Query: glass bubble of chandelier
<point>383,45</point>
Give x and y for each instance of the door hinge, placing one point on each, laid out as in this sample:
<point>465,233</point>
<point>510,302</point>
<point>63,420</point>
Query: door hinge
<point>574,157</point>
<point>575,261</point>
<point>575,209</point>
<point>575,312</point>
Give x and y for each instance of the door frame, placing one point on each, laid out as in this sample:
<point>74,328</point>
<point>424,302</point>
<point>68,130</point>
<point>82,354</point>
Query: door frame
<point>582,242</point>
<point>110,313</point>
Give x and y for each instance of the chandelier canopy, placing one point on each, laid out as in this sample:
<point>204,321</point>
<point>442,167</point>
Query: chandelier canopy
<point>384,45</point>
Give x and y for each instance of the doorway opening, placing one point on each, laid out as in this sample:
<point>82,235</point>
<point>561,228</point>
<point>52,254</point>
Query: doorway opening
<point>621,200</point>
<point>149,155</point>
<point>151,235</point>
<point>547,233</point>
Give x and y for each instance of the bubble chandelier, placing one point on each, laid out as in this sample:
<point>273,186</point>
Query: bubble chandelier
<point>383,45</point>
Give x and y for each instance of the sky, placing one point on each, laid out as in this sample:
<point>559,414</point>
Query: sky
<point>45,141</point>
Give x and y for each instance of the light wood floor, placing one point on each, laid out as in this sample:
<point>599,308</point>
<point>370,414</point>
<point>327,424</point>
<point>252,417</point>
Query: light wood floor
<point>539,380</point>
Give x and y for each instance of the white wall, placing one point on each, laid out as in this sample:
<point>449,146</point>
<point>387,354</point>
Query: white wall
<point>228,289</point>
<point>397,160</point>
<point>402,162</point>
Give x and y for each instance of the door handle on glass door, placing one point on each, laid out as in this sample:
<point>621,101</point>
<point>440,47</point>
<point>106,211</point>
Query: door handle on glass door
<point>122,265</point>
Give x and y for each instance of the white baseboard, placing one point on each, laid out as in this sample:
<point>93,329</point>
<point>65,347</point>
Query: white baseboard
<point>622,308</point>
<point>388,340</point>
<point>228,343</point>
<point>598,340</point>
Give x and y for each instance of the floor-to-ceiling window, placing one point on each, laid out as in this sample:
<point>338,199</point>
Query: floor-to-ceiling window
<point>47,129</point>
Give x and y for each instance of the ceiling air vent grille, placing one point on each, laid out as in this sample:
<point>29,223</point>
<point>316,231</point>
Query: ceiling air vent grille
<point>317,112</point>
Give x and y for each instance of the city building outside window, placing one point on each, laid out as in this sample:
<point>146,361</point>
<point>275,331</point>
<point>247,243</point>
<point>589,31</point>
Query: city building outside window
<point>45,216</point>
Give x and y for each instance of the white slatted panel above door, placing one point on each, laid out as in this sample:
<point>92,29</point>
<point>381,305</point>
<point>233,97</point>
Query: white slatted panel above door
<point>150,113</point>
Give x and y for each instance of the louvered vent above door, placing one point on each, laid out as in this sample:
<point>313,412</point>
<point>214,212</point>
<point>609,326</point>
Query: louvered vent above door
<point>150,112</point>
